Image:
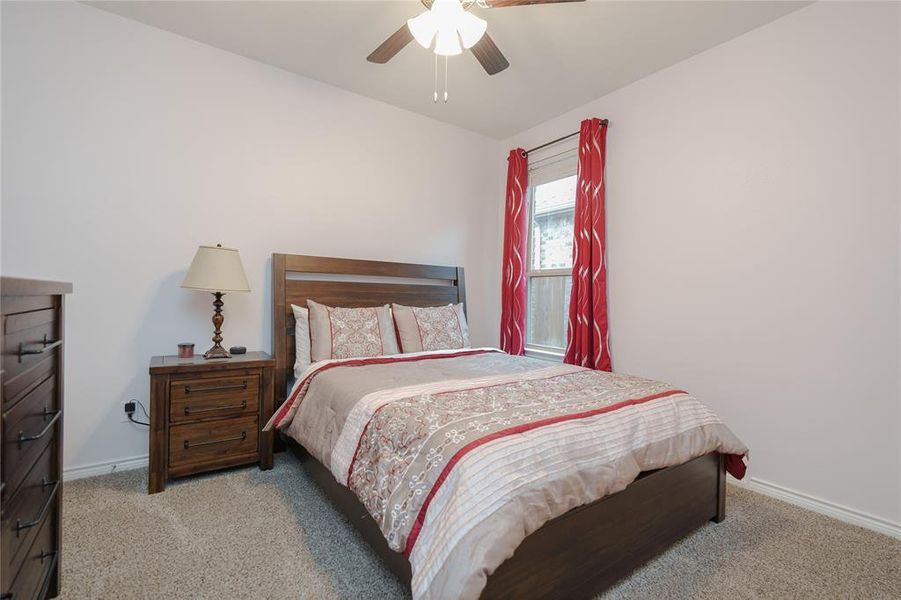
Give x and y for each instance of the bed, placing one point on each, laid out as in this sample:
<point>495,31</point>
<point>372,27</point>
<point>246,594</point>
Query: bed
<point>575,554</point>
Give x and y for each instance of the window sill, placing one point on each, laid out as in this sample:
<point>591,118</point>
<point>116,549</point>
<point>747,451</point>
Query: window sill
<point>544,355</point>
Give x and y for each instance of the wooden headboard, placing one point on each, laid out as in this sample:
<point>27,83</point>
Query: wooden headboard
<point>348,282</point>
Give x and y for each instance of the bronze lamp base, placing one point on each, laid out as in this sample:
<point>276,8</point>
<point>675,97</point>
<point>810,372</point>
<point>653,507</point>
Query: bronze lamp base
<point>217,351</point>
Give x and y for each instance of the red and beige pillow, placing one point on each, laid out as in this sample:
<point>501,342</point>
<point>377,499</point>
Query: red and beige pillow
<point>350,332</point>
<point>431,328</point>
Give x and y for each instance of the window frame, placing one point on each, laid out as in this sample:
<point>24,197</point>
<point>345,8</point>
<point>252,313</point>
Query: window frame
<point>532,349</point>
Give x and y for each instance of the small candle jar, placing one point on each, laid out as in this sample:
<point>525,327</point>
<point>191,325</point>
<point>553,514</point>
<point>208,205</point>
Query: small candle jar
<point>186,350</point>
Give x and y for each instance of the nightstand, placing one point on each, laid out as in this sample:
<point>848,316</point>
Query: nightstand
<point>207,414</point>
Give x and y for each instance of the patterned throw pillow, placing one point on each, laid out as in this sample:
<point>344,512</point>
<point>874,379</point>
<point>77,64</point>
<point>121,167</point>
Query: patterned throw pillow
<point>431,328</point>
<point>350,332</point>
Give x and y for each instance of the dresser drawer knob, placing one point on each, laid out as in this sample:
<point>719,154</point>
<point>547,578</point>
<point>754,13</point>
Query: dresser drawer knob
<point>237,386</point>
<point>189,445</point>
<point>196,411</point>
<point>43,513</point>
<point>30,438</point>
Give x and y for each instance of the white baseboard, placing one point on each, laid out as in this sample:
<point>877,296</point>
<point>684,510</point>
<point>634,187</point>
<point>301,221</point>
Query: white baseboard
<point>824,507</point>
<point>105,468</point>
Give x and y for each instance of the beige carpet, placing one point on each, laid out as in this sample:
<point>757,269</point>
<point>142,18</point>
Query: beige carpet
<point>252,534</point>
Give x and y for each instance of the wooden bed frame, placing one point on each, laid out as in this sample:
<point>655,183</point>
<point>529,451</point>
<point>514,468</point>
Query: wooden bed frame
<point>576,555</point>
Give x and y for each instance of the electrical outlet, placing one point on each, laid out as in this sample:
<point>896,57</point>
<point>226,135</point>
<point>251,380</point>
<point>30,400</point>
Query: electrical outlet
<point>123,414</point>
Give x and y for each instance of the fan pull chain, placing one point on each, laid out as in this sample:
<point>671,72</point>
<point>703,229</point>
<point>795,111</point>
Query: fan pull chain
<point>435,94</point>
<point>445,79</point>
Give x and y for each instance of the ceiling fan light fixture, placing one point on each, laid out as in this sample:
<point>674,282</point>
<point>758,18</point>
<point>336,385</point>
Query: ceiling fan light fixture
<point>447,24</point>
<point>423,28</point>
<point>471,28</point>
<point>447,42</point>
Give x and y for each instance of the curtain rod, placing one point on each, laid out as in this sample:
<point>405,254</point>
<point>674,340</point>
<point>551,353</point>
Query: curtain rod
<point>559,139</point>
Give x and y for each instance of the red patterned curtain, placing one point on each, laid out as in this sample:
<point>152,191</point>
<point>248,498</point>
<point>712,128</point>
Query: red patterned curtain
<point>513,283</point>
<point>587,342</point>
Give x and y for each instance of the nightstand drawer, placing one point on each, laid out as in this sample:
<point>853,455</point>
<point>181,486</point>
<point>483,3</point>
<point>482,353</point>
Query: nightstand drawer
<point>192,445</point>
<point>194,399</point>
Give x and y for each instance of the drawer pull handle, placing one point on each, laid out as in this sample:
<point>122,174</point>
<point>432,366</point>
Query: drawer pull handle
<point>196,411</point>
<point>46,345</point>
<point>30,438</point>
<point>237,386</point>
<point>45,554</point>
<point>20,525</point>
<point>189,445</point>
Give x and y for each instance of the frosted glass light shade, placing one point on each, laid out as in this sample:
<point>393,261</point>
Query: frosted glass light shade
<point>423,28</point>
<point>216,269</point>
<point>447,42</point>
<point>471,28</point>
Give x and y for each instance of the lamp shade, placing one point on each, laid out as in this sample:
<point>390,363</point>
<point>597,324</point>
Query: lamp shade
<point>216,269</point>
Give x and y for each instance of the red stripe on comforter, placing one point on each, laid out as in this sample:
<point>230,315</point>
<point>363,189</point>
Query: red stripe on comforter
<point>420,518</point>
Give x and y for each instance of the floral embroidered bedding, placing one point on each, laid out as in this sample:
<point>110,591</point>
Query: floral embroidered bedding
<point>459,455</point>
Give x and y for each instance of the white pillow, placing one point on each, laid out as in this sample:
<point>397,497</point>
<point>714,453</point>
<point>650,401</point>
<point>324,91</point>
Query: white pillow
<point>301,339</point>
<point>350,332</point>
<point>431,328</point>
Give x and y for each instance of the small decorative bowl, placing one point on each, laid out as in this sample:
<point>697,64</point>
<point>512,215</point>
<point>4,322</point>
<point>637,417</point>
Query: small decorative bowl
<point>186,350</point>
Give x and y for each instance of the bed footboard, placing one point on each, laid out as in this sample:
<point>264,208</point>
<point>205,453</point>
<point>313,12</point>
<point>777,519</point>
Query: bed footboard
<point>585,551</point>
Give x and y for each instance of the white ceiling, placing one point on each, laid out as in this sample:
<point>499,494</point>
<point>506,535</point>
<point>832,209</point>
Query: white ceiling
<point>561,56</point>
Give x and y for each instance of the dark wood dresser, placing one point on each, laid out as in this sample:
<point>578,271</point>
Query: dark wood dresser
<point>31,394</point>
<point>207,414</point>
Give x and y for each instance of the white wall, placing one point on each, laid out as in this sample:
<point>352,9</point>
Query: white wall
<point>124,147</point>
<point>753,243</point>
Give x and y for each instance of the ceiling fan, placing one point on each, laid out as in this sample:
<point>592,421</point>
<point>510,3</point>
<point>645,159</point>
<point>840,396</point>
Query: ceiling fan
<point>453,28</point>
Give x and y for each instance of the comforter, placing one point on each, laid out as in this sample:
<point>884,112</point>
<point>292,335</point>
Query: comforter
<point>459,455</point>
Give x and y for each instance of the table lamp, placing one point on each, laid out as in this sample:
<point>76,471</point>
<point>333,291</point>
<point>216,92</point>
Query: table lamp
<point>218,270</point>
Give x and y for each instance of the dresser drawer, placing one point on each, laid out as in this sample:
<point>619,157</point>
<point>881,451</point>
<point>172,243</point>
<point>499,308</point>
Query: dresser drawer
<point>214,443</point>
<point>194,399</point>
<point>29,339</point>
<point>15,389</point>
<point>37,562</point>
<point>27,429</point>
<point>25,512</point>
<point>20,304</point>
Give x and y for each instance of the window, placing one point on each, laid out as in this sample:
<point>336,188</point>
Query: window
<point>552,199</point>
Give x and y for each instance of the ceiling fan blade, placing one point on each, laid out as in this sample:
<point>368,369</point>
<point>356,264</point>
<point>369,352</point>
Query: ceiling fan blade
<point>505,3</point>
<point>391,46</point>
<point>488,54</point>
